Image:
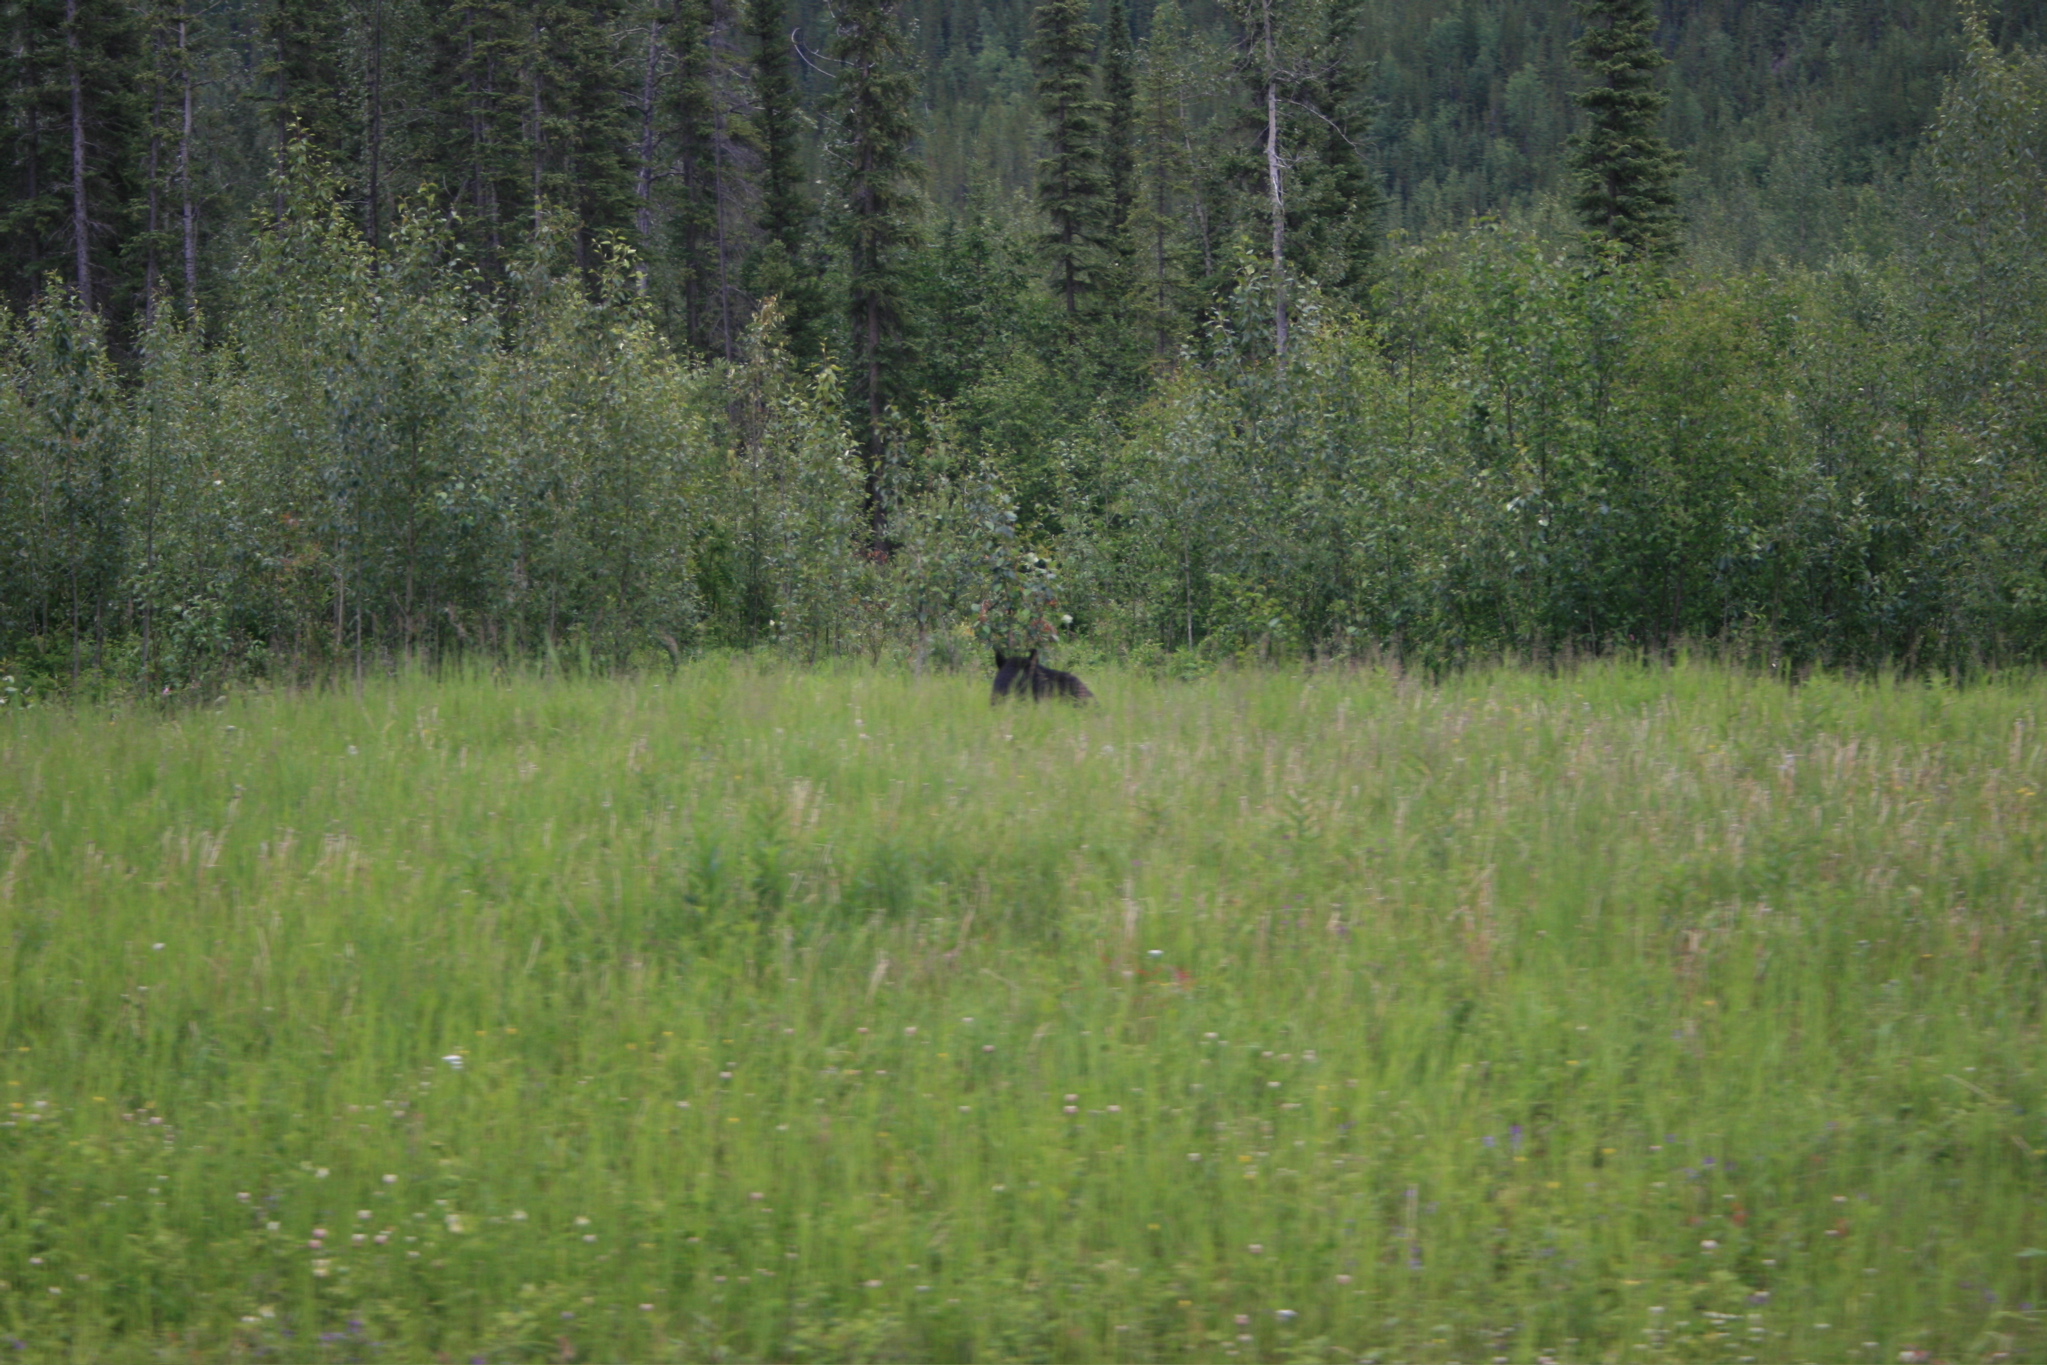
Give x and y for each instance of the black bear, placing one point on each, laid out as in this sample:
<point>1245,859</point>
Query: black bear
<point>1025,676</point>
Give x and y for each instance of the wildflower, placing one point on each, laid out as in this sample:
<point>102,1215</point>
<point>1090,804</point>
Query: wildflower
<point>1243,1319</point>
<point>1343,1279</point>
<point>390,1179</point>
<point>1257,1249</point>
<point>1285,1314</point>
<point>1709,1245</point>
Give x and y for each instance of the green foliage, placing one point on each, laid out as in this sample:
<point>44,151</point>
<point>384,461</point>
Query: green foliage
<point>1626,172</point>
<point>1353,1014</point>
<point>1074,188</point>
<point>879,214</point>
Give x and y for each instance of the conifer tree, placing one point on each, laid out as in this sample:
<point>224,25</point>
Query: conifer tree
<point>1625,169</point>
<point>878,187</point>
<point>694,199</point>
<point>475,122</point>
<point>71,78</point>
<point>1119,101</point>
<point>1071,185</point>
<point>1164,173</point>
<point>1334,213</point>
<point>777,266</point>
<point>301,68</point>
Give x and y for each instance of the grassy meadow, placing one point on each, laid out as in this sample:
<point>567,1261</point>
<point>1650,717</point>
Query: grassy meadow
<point>1625,1014</point>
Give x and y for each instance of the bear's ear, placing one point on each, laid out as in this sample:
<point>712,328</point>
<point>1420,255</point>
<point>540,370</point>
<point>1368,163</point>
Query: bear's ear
<point>1031,657</point>
<point>999,660</point>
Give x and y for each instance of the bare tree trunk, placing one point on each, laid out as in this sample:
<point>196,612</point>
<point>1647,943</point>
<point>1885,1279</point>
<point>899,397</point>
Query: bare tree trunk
<point>718,222</point>
<point>874,407</point>
<point>80,221</point>
<point>643,217</point>
<point>376,139</point>
<point>539,141</point>
<point>149,264</point>
<point>1272,170</point>
<point>185,179</point>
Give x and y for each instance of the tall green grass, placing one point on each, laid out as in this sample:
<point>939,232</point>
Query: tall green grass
<point>1631,1014</point>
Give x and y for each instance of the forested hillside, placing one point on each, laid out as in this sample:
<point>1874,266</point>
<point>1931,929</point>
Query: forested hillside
<point>633,115</point>
<point>349,331</point>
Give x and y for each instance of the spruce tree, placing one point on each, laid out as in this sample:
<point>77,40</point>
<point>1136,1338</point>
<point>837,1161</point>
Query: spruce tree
<point>306,85</point>
<point>1165,171</point>
<point>695,193</point>
<point>1626,171</point>
<point>878,189</point>
<point>777,266</point>
<point>1335,208</point>
<point>1071,184</point>
<point>473,123</point>
<point>1119,101</point>
<point>72,83</point>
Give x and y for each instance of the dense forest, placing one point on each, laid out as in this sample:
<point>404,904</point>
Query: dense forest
<point>339,332</point>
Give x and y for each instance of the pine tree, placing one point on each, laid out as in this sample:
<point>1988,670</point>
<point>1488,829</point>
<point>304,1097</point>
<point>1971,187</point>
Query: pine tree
<point>1626,172</point>
<point>777,265</point>
<point>1165,170</point>
<point>73,78</point>
<point>301,66</point>
<point>878,186</point>
<point>694,198</point>
<point>1071,184</point>
<point>1119,101</point>
<point>469,150</point>
<point>1335,208</point>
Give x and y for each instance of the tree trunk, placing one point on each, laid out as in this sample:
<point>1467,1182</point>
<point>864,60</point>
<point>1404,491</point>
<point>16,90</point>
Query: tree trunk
<point>539,140</point>
<point>149,263</point>
<point>643,217</point>
<point>718,223</point>
<point>876,515</point>
<point>80,221</point>
<point>376,130</point>
<point>1272,170</point>
<point>191,223</point>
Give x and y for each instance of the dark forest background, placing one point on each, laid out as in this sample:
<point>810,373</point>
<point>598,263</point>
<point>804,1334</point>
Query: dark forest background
<point>340,333</point>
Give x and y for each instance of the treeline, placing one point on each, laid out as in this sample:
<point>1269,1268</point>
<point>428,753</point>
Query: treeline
<point>140,134</point>
<point>383,451</point>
